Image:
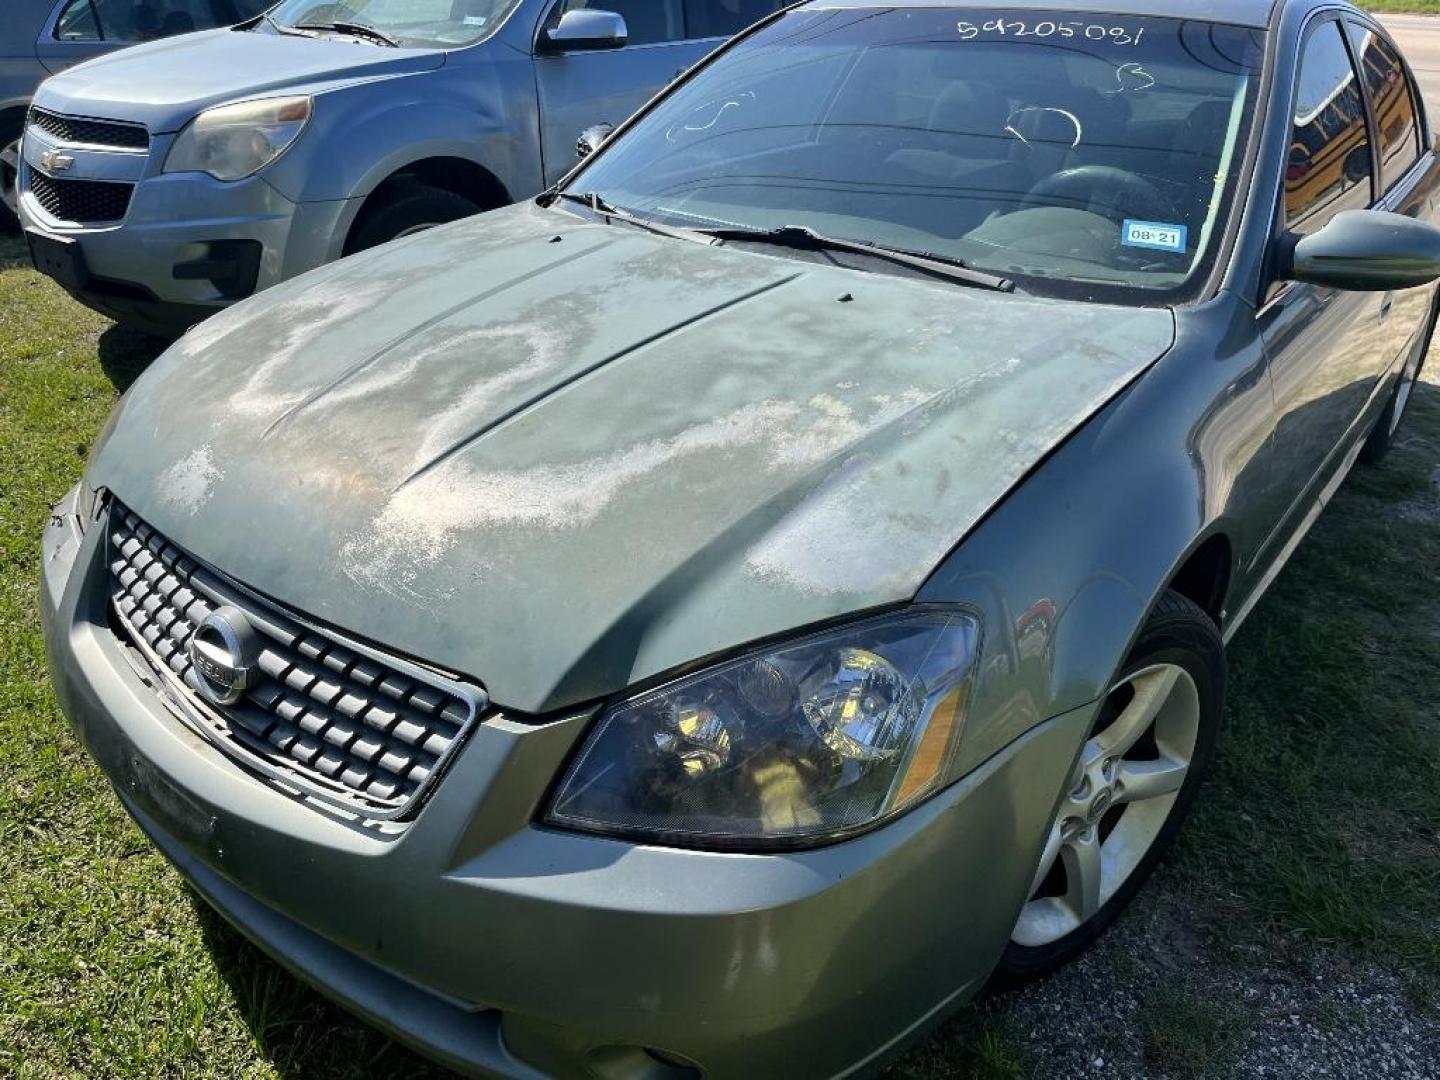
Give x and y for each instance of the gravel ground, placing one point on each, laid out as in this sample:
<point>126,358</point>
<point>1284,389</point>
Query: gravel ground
<point>1164,996</point>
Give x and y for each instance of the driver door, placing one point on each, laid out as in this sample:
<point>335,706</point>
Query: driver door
<point>1323,343</point>
<point>579,89</point>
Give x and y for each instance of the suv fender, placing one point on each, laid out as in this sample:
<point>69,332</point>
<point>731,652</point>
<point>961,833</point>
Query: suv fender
<point>382,134</point>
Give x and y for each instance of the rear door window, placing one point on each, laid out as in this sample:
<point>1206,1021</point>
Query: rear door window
<point>80,21</point>
<point>147,20</point>
<point>1393,101</point>
<point>1330,162</point>
<point>725,18</point>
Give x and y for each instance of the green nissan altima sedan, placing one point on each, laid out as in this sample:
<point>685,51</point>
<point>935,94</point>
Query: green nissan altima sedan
<point>711,619</point>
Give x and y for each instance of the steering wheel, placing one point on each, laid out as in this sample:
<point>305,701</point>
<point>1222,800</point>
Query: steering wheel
<point>1105,190</point>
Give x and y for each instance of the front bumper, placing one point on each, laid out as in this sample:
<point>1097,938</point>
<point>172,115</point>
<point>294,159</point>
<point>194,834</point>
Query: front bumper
<point>150,267</point>
<point>503,948</point>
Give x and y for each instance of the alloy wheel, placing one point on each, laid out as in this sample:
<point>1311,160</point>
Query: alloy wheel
<point>1121,793</point>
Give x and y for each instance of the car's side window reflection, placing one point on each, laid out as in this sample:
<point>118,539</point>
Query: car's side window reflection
<point>1329,166</point>
<point>1392,99</point>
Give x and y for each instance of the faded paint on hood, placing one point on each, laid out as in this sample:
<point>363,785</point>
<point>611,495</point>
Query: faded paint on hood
<point>560,456</point>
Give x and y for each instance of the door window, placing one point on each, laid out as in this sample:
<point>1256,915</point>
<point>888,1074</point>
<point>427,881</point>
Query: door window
<point>725,18</point>
<point>140,20</point>
<point>648,22</point>
<point>80,21</point>
<point>1329,166</point>
<point>1392,99</point>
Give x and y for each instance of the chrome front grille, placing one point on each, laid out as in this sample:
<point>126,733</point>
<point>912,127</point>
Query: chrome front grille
<point>86,132</point>
<point>82,202</point>
<point>335,718</point>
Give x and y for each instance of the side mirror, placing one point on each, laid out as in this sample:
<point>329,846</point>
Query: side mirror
<point>1368,251</point>
<point>591,138</point>
<point>586,29</point>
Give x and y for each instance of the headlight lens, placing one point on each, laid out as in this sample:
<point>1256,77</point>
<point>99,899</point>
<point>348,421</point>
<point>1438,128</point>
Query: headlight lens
<point>231,142</point>
<point>806,742</point>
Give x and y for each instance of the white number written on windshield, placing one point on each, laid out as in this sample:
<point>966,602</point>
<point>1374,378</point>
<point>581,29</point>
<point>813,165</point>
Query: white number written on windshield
<point>1015,28</point>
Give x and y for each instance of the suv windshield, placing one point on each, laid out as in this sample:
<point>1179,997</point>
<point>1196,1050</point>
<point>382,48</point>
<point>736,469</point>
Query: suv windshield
<point>1087,155</point>
<point>442,24</point>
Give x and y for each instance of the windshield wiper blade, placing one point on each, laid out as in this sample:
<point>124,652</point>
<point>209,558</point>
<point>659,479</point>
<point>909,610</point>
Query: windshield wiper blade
<point>284,28</point>
<point>803,238</point>
<point>599,205</point>
<point>354,29</point>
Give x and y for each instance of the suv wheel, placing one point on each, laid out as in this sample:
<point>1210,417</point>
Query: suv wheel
<point>412,208</point>
<point>1129,791</point>
<point>10,174</point>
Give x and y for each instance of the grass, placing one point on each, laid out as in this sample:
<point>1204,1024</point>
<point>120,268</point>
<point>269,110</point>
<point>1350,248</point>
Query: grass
<point>1325,803</point>
<point>1403,7</point>
<point>108,965</point>
<point>1318,828</point>
<point>1187,1037</point>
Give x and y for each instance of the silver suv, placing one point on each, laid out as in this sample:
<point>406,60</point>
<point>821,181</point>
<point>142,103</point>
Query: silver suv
<point>160,185</point>
<point>41,37</point>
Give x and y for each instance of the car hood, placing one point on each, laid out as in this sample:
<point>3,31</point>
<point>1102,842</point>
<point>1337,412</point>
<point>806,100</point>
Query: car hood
<point>164,84</point>
<point>560,457</point>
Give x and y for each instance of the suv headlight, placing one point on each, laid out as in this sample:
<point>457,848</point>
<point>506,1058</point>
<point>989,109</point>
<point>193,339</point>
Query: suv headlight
<point>798,744</point>
<point>231,142</point>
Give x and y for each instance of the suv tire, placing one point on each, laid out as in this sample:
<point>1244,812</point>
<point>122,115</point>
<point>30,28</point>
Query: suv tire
<point>10,132</point>
<point>413,207</point>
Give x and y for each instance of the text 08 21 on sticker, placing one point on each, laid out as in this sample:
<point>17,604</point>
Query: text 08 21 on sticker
<point>1156,235</point>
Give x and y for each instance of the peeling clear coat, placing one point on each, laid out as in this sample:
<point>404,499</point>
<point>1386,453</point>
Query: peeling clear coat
<point>563,457</point>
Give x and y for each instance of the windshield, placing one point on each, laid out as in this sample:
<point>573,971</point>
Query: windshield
<point>442,24</point>
<point>1080,154</point>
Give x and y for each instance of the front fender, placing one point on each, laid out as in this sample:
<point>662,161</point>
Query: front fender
<point>1067,569</point>
<point>362,134</point>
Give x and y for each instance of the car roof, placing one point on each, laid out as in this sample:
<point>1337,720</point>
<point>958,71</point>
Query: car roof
<point>1255,13</point>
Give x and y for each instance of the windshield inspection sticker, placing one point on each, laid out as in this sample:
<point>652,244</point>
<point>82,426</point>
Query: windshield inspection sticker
<point>1154,235</point>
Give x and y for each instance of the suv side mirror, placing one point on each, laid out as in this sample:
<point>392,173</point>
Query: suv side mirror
<point>591,138</point>
<point>586,29</point>
<point>1367,251</point>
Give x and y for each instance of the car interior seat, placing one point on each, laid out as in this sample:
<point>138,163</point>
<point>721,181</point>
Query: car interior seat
<point>1195,155</point>
<point>144,22</point>
<point>966,126</point>
<point>177,22</point>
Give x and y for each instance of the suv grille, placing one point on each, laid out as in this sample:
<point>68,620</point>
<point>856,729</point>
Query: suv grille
<point>85,202</point>
<point>75,129</point>
<point>343,724</point>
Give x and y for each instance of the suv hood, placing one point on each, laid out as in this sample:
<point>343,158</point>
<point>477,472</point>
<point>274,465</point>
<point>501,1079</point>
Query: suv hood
<point>164,84</point>
<point>559,457</point>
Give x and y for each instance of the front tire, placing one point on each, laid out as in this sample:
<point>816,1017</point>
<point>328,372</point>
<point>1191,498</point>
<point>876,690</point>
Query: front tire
<point>1129,792</point>
<point>413,207</point>
<point>10,133</point>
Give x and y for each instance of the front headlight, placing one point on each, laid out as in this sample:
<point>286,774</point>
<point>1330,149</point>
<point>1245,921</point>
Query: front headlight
<point>230,142</point>
<point>801,743</point>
